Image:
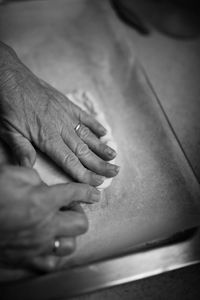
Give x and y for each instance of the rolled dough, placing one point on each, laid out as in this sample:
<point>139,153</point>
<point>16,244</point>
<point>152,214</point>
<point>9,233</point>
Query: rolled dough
<point>48,171</point>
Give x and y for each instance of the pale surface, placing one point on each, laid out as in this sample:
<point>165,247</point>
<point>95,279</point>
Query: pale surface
<point>173,65</point>
<point>155,193</point>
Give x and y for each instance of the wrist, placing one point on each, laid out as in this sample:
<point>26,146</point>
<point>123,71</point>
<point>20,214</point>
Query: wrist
<point>9,65</point>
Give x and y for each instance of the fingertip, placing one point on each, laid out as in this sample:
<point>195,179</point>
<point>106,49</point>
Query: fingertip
<point>97,179</point>
<point>111,153</point>
<point>25,162</point>
<point>102,130</point>
<point>113,170</point>
<point>92,195</point>
<point>96,195</point>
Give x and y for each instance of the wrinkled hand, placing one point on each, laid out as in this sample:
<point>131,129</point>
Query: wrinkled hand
<point>35,114</point>
<point>33,215</point>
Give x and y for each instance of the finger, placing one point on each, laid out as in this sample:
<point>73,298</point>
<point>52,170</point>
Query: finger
<point>45,263</point>
<point>70,223</point>
<point>92,123</point>
<point>22,149</point>
<point>66,227</point>
<point>94,143</point>
<point>66,246</point>
<point>22,174</point>
<point>85,98</point>
<point>20,256</point>
<point>88,158</point>
<point>50,263</point>
<point>61,195</point>
<point>67,160</point>
<point>25,152</point>
<point>77,207</point>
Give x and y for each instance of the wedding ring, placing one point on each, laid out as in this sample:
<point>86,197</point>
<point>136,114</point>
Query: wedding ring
<point>56,246</point>
<point>77,127</point>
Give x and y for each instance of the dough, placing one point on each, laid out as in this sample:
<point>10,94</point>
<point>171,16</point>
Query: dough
<point>48,171</point>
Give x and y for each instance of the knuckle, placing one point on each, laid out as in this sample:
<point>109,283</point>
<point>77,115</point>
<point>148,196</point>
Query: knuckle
<point>70,160</point>
<point>82,175</point>
<point>72,163</point>
<point>104,166</point>
<point>46,137</point>
<point>84,132</point>
<point>81,149</point>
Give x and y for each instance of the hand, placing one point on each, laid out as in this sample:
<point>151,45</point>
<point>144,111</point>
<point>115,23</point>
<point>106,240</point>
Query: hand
<point>34,113</point>
<point>33,216</point>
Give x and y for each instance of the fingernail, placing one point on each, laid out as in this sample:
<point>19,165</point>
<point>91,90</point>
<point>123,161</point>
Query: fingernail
<point>99,179</point>
<point>114,169</point>
<point>111,152</point>
<point>96,195</point>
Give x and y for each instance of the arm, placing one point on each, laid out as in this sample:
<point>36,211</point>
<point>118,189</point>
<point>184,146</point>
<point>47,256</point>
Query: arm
<point>32,218</point>
<point>34,114</point>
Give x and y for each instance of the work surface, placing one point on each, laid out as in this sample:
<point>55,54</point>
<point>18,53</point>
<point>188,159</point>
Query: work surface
<point>46,73</point>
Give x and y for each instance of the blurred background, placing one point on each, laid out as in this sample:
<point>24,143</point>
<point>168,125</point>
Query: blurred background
<point>176,18</point>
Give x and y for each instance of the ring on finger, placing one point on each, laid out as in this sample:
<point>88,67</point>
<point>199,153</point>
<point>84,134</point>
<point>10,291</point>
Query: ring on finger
<point>77,127</point>
<point>56,245</point>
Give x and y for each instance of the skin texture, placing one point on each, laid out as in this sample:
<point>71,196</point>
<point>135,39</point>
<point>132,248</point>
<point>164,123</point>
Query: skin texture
<point>34,114</point>
<point>33,215</point>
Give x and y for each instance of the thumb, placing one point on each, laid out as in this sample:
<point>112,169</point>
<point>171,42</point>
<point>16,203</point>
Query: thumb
<point>23,150</point>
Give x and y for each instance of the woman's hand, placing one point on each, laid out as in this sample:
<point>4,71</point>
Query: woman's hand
<point>33,216</point>
<point>34,113</point>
